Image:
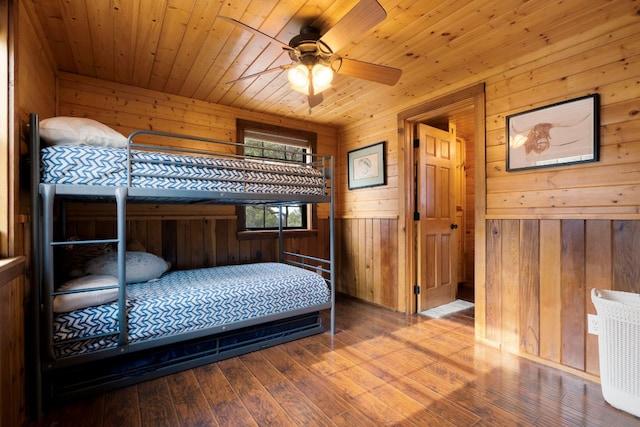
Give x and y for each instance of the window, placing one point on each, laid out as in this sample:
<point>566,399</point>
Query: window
<point>275,142</point>
<point>266,217</point>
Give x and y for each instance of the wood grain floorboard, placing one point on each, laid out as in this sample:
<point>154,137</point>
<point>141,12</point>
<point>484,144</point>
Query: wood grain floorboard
<point>381,368</point>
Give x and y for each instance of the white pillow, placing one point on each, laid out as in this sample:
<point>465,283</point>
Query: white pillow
<point>70,302</point>
<point>140,266</point>
<point>79,131</point>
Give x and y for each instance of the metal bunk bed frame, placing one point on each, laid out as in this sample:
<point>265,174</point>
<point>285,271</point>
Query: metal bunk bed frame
<point>43,244</point>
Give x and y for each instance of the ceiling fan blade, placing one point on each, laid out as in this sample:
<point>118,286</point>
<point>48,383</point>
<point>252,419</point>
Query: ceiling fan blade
<point>367,71</point>
<point>315,99</point>
<point>258,33</point>
<point>364,16</point>
<point>250,76</point>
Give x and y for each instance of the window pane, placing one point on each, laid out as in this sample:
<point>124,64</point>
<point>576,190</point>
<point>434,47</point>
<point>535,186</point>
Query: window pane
<point>273,151</point>
<point>254,217</point>
<point>271,218</point>
<point>294,216</point>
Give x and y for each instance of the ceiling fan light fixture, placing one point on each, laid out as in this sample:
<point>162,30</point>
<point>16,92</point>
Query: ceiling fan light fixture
<point>305,79</point>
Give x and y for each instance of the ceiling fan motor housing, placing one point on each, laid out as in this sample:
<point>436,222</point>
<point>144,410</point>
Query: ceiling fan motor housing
<point>306,47</point>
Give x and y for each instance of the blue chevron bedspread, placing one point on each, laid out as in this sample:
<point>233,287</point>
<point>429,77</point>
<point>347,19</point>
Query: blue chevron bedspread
<point>190,300</point>
<point>106,166</point>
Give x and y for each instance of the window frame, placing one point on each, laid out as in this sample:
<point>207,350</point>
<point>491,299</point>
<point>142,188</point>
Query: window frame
<point>246,126</point>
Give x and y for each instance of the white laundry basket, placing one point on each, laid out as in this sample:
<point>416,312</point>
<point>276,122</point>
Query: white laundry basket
<point>619,347</point>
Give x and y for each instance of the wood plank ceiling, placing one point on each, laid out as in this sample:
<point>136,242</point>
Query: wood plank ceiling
<point>179,47</point>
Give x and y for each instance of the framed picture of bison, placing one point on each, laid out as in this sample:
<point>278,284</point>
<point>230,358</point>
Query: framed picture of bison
<point>558,134</point>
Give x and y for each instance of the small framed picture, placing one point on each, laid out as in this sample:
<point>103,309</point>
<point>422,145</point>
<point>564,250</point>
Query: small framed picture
<point>367,166</point>
<point>554,135</point>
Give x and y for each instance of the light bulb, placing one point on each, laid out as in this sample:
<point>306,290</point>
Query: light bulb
<point>322,76</point>
<point>298,76</point>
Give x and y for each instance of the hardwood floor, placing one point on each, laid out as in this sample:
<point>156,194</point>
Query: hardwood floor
<point>381,368</point>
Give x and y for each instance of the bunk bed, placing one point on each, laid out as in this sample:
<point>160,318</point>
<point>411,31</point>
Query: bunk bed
<point>130,317</point>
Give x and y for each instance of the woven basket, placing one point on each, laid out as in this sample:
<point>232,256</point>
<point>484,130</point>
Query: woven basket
<point>619,347</point>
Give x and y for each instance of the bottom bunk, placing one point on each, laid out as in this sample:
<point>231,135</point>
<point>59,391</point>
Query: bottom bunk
<point>199,301</point>
<point>182,319</point>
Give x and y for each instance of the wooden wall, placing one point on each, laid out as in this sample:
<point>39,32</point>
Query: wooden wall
<point>193,241</point>
<point>554,234</point>
<point>546,236</point>
<point>33,78</point>
<point>33,88</point>
<point>12,343</point>
<point>368,248</point>
<point>371,258</point>
<point>539,277</point>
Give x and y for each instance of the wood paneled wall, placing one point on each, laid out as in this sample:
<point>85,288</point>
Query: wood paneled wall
<point>373,202</point>
<point>539,280</point>
<point>371,259</point>
<point>12,336</point>
<point>35,69</point>
<point>554,233</point>
<point>604,61</point>
<point>34,89</point>
<point>367,251</point>
<point>206,241</point>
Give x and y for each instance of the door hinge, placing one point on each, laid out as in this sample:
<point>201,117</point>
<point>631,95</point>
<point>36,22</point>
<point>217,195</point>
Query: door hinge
<point>416,289</point>
<point>416,216</point>
<point>416,143</point>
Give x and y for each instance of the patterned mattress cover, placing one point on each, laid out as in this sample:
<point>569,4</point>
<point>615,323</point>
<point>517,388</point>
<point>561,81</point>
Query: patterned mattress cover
<point>107,166</point>
<point>190,300</point>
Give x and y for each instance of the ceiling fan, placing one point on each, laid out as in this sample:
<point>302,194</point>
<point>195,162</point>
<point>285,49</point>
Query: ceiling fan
<point>314,58</point>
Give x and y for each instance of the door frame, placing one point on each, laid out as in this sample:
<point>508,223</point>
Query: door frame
<point>474,95</point>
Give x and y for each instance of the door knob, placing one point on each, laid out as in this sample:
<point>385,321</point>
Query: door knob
<point>454,226</point>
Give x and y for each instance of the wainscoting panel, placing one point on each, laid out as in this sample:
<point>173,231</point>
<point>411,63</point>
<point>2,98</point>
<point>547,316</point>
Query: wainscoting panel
<point>539,279</point>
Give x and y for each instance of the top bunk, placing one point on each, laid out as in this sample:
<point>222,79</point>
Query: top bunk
<point>82,158</point>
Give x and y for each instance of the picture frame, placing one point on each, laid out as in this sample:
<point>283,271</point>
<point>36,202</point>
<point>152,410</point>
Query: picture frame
<point>367,166</point>
<point>554,135</point>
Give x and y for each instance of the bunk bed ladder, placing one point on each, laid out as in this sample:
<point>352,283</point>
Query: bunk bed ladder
<point>48,192</point>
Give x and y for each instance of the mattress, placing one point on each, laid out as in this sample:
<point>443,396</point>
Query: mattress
<point>190,300</point>
<point>107,166</point>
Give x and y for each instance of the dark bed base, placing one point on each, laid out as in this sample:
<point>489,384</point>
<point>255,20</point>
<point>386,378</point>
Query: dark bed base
<point>63,384</point>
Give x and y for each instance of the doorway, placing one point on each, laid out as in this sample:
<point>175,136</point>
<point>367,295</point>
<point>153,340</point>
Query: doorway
<point>464,114</point>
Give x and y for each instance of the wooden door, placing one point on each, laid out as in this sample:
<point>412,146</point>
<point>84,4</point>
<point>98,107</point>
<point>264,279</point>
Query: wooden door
<point>435,237</point>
